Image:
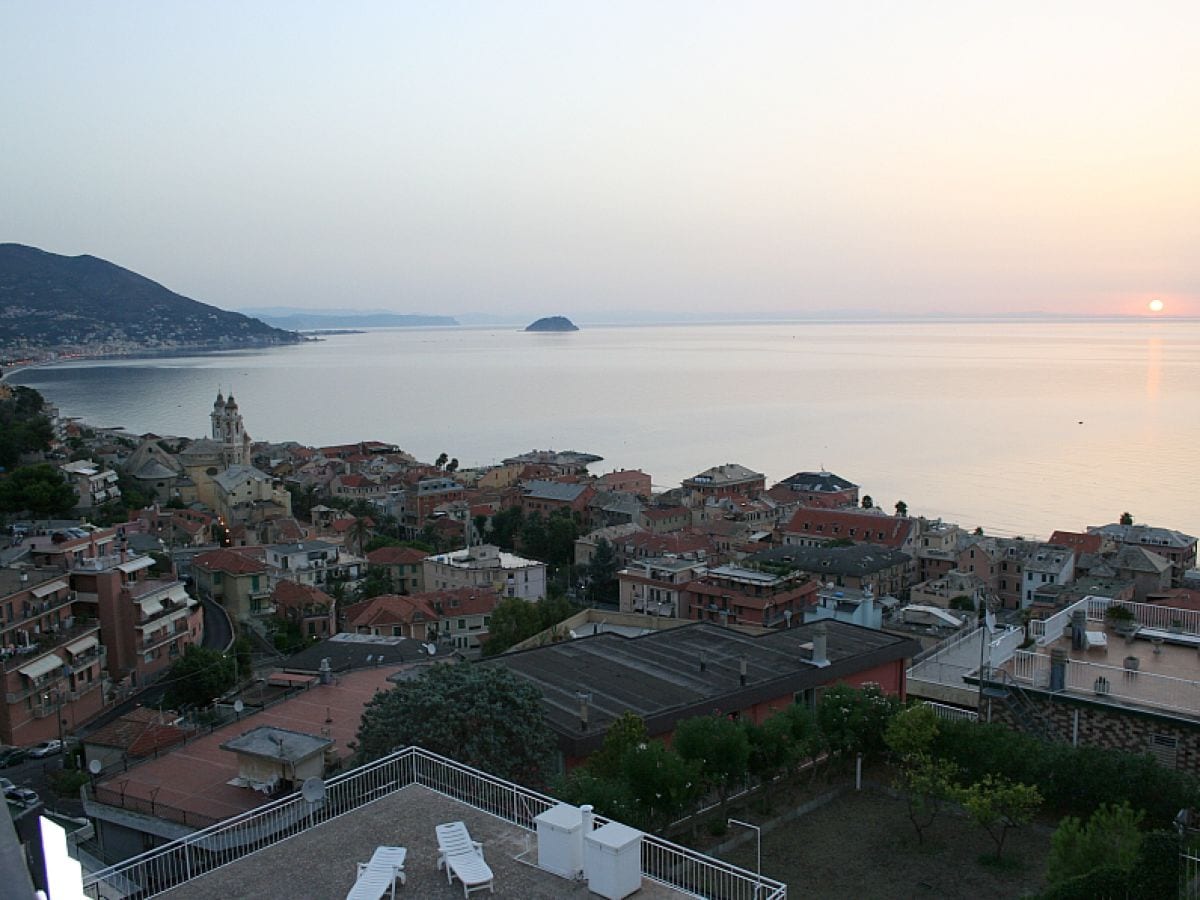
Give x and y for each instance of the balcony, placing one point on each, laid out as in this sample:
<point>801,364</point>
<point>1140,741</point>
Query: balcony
<point>56,640</point>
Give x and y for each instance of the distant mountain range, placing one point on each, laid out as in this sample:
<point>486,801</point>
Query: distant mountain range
<point>302,320</point>
<point>86,304</point>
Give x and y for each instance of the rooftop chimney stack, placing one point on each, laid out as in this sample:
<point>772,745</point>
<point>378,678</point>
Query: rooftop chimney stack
<point>1079,629</point>
<point>702,664</point>
<point>819,654</point>
<point>326,672</point>
<point>742,667</point>
<point>584,711</point>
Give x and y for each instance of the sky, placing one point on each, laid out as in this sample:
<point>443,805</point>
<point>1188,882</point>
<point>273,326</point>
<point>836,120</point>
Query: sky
<point>616,159</point>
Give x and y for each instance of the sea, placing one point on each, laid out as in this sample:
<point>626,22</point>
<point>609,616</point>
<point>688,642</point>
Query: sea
<point>1019,427</point>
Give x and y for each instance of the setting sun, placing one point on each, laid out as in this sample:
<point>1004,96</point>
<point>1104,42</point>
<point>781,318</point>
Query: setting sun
<point>1155,306</point>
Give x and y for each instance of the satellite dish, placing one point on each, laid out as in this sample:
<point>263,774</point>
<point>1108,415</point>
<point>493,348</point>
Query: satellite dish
<point>572,633</point>
<point>431,649</point>
<point>94,766</point>
<point>313,790</point>
<point>238,705</point>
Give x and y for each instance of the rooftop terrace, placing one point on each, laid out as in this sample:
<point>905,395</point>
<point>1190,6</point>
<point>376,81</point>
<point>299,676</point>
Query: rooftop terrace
<point>1156,666</point>
<point>294,848</point>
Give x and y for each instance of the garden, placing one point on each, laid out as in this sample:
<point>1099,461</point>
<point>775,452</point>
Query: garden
<point>948,808</point>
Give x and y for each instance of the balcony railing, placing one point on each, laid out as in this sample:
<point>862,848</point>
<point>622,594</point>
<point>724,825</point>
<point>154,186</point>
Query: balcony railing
<point>1111,682</point>
<point>226,842</point>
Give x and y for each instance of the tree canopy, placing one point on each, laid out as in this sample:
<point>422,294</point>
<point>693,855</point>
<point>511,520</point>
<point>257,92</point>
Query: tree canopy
<point>41,490</point>
<point>200,676</point>
<point>23,428</point>
<point>515,620</point>
<point>484,716</point>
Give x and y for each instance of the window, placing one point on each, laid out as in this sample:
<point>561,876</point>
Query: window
<point>806,698</point>
<point>1164,748</point>
<point>462,623</point>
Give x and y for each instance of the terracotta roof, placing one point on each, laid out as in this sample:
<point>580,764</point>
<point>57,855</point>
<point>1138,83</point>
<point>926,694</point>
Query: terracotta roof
<point>389,609</point>
<point>1078,541</point>
<point>396,556</point>
<point>830,524</point>
<point>300,596</point>
<point>231,562</point>
<point>139,732</point>
<point>657,513</point>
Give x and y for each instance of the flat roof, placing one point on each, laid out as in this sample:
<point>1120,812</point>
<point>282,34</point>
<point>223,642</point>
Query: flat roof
<point>192,778</point>
<point>277,743</point>
<point>320,862</point>
<point>659,677</point>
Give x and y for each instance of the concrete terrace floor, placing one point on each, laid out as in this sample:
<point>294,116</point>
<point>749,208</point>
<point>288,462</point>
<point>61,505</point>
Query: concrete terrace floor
<point>321,863</point>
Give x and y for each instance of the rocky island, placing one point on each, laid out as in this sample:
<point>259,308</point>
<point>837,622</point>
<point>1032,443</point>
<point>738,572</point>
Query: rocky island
<point>553,323</point>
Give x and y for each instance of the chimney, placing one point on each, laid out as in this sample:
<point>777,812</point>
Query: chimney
<point>819,655</point>
<point>1058,669</point>
<point>702,663</point>
<point>1079,629</point>
<point>326,672</point>
<point>742,667</point>
<point>588,824</point>
<point>584,698</point>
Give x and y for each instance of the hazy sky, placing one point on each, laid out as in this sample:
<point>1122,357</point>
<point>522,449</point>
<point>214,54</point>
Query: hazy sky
<point>774,158</point>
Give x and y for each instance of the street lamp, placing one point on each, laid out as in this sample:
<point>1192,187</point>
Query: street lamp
<point>758,855</point>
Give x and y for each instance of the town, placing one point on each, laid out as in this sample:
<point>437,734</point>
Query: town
<point>195,626</point>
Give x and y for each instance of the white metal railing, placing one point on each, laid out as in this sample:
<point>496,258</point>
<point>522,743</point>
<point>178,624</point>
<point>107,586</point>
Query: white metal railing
<point>1032,668</point>
<point>1151,615</point>
<point>1004,645</point>
<point>1047,631</point>
<point>1115,682</point>
<point>1189,876</point>
<point>955,713</point>
<point>959,657</point>
<point>226,842</point>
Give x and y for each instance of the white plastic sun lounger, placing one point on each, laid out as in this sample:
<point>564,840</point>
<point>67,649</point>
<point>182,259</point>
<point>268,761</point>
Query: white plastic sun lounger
<point>463,858</point>
<point>379,876</point>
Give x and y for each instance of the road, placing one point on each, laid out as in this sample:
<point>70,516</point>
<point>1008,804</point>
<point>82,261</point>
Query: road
<point>34,773</point>
<point>218,631</point>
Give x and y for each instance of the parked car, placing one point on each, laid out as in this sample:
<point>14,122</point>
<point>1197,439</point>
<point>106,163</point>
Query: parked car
<point>6,785</point>
<point>46,748</point>
<point>21,795</point>
<point>13,755</point>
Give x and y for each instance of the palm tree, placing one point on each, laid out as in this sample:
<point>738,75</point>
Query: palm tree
<point>441,460</point>
<point>901,508</point>
<point>1126,518</point>
<point>359,533</point>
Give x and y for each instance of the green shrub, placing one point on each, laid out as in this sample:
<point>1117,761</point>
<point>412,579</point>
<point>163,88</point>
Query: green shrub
<point>1111,837</point>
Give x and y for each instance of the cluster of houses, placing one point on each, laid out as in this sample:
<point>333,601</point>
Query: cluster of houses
<point>733,597</point>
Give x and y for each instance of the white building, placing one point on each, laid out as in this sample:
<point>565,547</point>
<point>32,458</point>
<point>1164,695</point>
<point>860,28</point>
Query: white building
<point>1048,564</point>
<point>486,566</point>
<point>313,563</point>
<point>94,484</point>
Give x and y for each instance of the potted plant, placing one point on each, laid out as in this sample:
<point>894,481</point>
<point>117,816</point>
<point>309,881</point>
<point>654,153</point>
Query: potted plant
<point>1121,619</point>
<point>1177,626</point>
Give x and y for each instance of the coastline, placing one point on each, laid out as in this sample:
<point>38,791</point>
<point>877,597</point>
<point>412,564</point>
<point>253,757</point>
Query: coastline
<point>192,350</point>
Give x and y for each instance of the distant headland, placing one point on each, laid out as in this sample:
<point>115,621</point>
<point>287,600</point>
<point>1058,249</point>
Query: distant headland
<point>553,323</point>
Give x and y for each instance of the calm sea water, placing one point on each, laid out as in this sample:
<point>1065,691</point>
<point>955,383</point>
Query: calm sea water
<point>1017,426</point>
